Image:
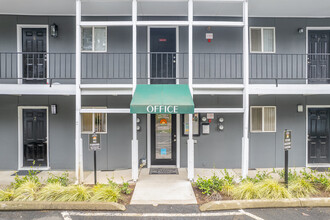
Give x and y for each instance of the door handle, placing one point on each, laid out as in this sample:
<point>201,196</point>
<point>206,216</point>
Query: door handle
<point>174,140</point>
<point>174,59</point>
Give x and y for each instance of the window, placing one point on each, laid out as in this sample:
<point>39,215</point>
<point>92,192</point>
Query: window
<point>263,119</point>
<point>94,39</point>
<point>93,122</point>
<point>262,40</point>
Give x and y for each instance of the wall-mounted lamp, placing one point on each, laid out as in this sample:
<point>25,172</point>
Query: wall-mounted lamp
<point>300,30</point>
<point>53,30</point>
<point>300,108</point>
<point>53,109</point>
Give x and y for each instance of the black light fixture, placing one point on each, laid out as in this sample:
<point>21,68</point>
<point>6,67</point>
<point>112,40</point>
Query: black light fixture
<point>300,30</point>
<point>53,109</point>
<point>53,30</point>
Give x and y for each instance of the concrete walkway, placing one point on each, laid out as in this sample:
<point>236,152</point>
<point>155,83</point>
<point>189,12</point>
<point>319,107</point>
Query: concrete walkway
<point>163,189</point>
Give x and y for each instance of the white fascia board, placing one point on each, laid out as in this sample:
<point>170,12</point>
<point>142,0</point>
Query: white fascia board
<point>219,23</point>
<point>106,110</point>
<point>218,89</point>
<point>294,89</point>
<point>233,1</point>
<point>105,23</point>
<point>219,110</point>
<point>106,89</point>
<point>162,23</point>
<point>14,89</point>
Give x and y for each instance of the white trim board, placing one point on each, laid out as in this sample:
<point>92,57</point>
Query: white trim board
<point>20,137</point>
<point>313,164</point>
<point>19,28</point>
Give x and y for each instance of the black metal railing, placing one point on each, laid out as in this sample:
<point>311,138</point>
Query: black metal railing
<point>37,67</point>
<point>106,68</point>
<point>163,67</point>
<point>289,68</point>
<point>217,68</point>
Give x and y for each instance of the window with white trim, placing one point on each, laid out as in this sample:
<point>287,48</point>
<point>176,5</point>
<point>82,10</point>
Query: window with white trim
<point>94,122</point>
<point>94,39</point>
<point>262,40</point>
<point>263,119</point>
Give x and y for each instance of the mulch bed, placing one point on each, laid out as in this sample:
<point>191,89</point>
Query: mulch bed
<point>203,198</point>
<point>126,199</point>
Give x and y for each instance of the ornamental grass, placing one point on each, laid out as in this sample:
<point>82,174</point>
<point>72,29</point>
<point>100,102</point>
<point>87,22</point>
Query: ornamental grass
<point>27,191</point>
<point>6,195</point>
<point>51,192</point>
<point>301,188</point>
<point>272,189</point>
<point>106,193</point>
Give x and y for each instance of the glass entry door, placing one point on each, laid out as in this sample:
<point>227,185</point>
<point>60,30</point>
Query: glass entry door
<point>163,133</point>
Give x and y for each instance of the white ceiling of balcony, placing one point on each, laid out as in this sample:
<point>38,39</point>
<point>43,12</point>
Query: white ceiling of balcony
<point>257,8</point>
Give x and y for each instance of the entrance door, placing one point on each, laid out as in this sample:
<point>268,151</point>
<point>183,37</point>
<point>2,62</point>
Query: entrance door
<point>318,135</point>
<point>163,134</point>
<point>162,55</point>
<point>34,137</point>
<point>318,57</point>
<point>34,48</point>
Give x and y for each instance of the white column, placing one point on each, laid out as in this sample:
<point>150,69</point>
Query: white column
<point>190,143</point>
<point>245,139</point>
<point>135,143</point>
<point>78,142</point>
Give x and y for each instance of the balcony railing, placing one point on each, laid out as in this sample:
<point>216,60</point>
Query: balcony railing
<point>162,67</point>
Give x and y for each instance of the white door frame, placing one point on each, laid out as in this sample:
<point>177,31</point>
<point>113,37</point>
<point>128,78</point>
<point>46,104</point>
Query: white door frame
<point>19,48</point>
<point>20,137</point>
<point>307,40</point>
<point>178,116</point>
<point>307,120</point>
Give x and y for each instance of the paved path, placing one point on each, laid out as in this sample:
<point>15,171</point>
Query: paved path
<point>175,212</point>
<point>163,189</point>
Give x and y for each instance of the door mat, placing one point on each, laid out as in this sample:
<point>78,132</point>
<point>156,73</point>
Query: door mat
<point>163,171</point>
<point>25,172</point>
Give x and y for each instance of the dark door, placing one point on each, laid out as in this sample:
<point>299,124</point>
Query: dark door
<point>163,134</point>
<point>318,57</point>
<point>34,137</point>
<point>162,55</point>
<point>34,48</point>
<point>318,135</point>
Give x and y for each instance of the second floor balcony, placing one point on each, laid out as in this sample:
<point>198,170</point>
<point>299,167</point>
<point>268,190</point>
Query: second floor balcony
<point>163,67</point>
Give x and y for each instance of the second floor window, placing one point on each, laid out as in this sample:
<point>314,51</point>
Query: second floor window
<point>94,39</point>
<point>262,40</point>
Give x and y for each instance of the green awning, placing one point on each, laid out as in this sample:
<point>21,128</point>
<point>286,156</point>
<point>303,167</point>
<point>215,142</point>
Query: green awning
<point>164,98</point>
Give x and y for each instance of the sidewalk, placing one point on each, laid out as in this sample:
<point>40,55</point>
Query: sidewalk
<point>163,189</point>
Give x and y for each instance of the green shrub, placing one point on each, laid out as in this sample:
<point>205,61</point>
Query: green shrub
<point>75,193</point>
<point>51,192</point>
<point>291,174</point>
<point>62,179</point>
<point>31,177</point>
<point>272,189</point>
<point>27,191</point>
<point>209,185</point>
<point>245,190</point>
<point>125,188</point>
<point>6,195</point>
<point>301,187</point>
<point>106,193</point>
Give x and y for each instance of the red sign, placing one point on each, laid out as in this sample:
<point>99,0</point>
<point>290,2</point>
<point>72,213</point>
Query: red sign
<point>162,40</point>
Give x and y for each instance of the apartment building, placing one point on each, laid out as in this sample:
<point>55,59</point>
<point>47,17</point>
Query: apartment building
<point>179,83</point>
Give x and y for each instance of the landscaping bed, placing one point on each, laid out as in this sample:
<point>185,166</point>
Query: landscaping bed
<point>305,184</point>
<point>59,189</point>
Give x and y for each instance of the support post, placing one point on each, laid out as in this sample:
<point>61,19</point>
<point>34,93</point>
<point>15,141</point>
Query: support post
<point>190,143</point>
<point>245,139</point>
<point>78,141</point>
<point>135,143</point>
